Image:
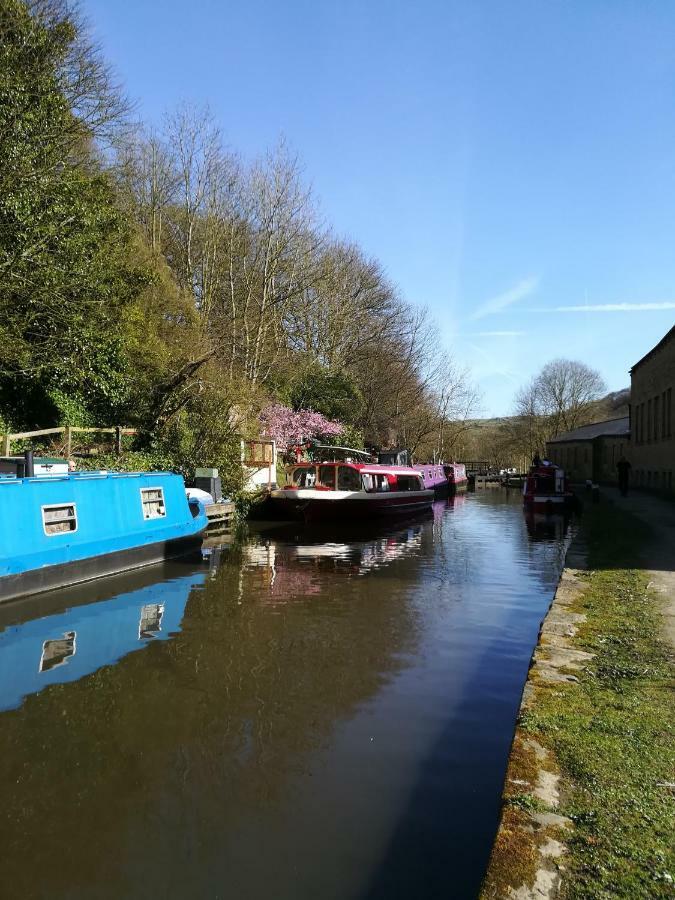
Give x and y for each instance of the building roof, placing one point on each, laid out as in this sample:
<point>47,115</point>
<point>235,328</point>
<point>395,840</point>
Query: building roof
<point>608,428</point>
<point>664,340</point>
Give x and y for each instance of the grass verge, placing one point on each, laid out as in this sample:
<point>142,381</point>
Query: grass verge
<point>611,733</point>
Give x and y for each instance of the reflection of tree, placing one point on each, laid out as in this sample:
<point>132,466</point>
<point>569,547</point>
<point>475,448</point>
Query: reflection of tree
<point>141,773</point>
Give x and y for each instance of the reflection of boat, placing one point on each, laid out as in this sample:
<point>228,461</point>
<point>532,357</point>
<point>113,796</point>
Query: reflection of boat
<point>71,643</point>
<point>546,527</point>
<point>546,488</point>
<point>295,569</point>
<point>346,490</point>
<point>61,530</point>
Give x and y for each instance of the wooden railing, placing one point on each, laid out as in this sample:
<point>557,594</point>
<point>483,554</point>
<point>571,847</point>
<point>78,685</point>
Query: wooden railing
<point>67,431</point>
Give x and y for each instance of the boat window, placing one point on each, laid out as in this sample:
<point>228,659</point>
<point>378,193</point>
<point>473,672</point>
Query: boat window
<point>369,483</point>
<point>304,477</point>
<point>151,620</point>
<point>59,519</point>
<point>57,652</point>
<point>153,503</point>
<point>327,477</point>
<point>348,479</point>
<point>382,483</point>
<point>408,483</point>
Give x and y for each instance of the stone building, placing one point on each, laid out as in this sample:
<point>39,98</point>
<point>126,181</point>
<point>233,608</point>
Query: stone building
<point>652,445</point>
<point>592,451</point>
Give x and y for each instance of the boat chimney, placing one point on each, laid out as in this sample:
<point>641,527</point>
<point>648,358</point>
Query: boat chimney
<point>28,465</point>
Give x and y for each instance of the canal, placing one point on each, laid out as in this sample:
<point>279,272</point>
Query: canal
<point>301,716</point>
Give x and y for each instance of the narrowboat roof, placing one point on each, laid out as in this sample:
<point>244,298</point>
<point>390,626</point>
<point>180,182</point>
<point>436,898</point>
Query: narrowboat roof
<point>81,476</point>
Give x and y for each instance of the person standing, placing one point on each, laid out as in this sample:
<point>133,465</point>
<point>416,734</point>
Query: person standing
<point>623,468</point>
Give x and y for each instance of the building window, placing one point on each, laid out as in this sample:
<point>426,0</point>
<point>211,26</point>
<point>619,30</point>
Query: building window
<point>664,423</point>
<point>657,432</point>
<point>642,422</point>
<point>669,404</point>
<point>59,519</point>
<point>152,500</point>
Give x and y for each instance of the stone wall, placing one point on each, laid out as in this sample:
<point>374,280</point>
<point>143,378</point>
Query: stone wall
<point>652,447</point>
<point>575,457</point>
<point>590,459</point>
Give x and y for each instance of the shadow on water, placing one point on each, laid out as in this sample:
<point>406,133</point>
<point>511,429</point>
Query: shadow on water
<point>311,715</point>
<point>443,837</point>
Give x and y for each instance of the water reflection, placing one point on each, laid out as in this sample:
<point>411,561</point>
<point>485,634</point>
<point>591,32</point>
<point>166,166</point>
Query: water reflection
<point>547,527</point>
<point>312,715</point>
<point>292,564</point>
<point>73,642</point>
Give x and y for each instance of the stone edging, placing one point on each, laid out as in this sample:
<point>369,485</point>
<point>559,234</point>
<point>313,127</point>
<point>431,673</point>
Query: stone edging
<point>528,853</point>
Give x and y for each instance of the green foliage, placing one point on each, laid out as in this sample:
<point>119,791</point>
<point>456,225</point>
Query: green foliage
<point>134,461</point>
<point>335,395</point>
<point>70,409</point>
<point>63,241</point>
<point>350,437</point>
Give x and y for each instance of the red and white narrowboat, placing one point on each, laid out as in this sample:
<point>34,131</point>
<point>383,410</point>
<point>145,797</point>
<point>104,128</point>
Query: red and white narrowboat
<point>547,489</point>
<point>326,491</point>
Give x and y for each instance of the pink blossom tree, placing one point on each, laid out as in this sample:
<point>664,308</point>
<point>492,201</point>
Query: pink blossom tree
<point>288,427</point>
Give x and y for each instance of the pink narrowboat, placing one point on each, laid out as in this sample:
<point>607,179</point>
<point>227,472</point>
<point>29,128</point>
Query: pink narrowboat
<point>439,477</point>
<point>455,474</point>
<point>547,489</point>
<point>337,490</point>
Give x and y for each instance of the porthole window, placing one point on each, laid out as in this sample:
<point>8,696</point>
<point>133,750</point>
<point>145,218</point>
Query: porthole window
<point>152,500</point>
<point>59,519</point>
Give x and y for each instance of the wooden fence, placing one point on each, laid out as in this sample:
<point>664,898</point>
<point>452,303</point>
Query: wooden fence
<point>67,431</point>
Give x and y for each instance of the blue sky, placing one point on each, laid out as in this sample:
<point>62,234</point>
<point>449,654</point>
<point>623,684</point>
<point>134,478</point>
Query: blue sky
<point>510,162</point>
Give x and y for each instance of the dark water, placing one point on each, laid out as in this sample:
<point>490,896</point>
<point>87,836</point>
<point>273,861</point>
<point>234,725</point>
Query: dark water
<point>302,716</point>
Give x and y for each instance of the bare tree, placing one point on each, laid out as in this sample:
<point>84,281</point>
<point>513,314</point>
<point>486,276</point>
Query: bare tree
<point>565,390</point>
<point>100,107</point>
<point>561,397</point>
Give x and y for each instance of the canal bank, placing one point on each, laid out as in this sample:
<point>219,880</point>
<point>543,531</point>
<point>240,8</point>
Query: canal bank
<point>588,796</point>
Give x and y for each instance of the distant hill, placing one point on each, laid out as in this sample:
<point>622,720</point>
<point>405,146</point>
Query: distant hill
<point>612,406</point>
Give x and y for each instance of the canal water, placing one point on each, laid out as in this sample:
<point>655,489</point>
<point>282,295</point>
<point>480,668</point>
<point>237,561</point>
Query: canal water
<point>302,715</point>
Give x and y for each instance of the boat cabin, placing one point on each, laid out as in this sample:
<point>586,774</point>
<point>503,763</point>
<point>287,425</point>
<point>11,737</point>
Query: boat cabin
<point>339,476</point>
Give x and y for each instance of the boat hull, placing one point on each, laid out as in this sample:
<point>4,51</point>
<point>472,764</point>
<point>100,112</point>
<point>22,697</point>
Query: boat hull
<point>357,508</point>
<point>549,502</point>
<point>49,578</point>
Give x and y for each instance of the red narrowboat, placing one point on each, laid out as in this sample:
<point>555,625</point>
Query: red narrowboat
<point>326,491</point>
<point>547,489</point>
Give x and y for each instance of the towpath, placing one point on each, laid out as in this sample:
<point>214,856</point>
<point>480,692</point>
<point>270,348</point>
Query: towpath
<point>659,557</point>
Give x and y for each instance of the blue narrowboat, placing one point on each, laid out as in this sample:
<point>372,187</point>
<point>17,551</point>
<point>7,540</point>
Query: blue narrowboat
<point>60,530</point>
